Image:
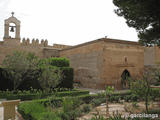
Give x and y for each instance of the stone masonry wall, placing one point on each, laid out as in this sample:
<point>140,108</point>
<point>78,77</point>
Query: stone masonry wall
<point>119,57</point>
<point>102,62</point>
<point>86,61</point>
<point>43,50</point>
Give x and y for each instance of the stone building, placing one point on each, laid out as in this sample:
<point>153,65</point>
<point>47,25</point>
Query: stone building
<point>96,64</point>
<point>105,62</point>
<point>14,42</point>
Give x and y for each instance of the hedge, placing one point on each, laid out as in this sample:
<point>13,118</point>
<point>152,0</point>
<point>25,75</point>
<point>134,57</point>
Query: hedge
<point>32,80</point>
<point>69,93</point>
<point>32,96</point>
<point>36,110</point>
<point>5,82</point>
<point>57,101</point>
<point>67,80</point>
<point>59,62</point>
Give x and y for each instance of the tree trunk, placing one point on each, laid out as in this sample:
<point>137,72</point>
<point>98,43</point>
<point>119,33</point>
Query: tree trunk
<point>146,103</point>
<point>107,108</point>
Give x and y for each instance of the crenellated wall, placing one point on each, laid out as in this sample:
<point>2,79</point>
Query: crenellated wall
<point>34,42</point>
<point>39,47</point>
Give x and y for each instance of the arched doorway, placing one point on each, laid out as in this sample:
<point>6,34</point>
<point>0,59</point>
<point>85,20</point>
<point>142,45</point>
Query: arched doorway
<point>124,79</point>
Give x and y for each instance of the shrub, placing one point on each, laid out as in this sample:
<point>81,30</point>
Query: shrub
<point>71,93</point>
<point>67,79</point>
<point>86,108</point>
<point>58,62</point>
<point>5,81</point>
<point>98,101</point>
<point>155,93</point>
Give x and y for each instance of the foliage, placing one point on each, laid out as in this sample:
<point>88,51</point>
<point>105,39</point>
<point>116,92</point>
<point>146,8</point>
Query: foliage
<point>71,93</point>
<point>67,78</point>
<point>157,76</point>
<point>86,108</point>
<point>155,93</point>
<point>71,107</point>
<point>58,62</point>
<point>98,101</point>
<point>37,94</point>
<point>36,111</point>
<point>143,15</point>
<point>142,87</point>
<point>25,70</point>
<point>5,81</point>
<point>50,77</point>
<point>109,90</point>
<point>20,65</point>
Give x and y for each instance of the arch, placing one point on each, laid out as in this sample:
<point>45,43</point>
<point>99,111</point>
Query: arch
<point>12,20</point>
<point>12,26</point>
<point>15,21</point>
<point>124,79</point>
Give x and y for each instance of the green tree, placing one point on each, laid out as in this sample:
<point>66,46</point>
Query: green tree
<point>50,77</point>
<point>142,87</point>
<point>144,16</point>
<point>109,92</point>
<point>20,65</point>
<point>23,65</point>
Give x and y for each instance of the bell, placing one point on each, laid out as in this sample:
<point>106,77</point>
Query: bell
<point>12,29</point>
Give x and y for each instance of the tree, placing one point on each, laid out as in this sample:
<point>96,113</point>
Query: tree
<point>20,65</point>
<point>144,16</point>
<point>142,87</point>
<point>50,77</point>
<point>109,92</point>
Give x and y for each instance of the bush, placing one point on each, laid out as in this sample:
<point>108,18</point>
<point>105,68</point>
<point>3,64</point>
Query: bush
<point>31,71</point>
<point>37,94</point>
<point>58,62</point>
<point>71,93</point>
<point>155,93</point>
<point>98,101</point>
<point>67,80</point>
<point>86,108</point>
<point>5,81</point>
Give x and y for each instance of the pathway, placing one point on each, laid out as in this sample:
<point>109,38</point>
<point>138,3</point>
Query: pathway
<point>114,108</point>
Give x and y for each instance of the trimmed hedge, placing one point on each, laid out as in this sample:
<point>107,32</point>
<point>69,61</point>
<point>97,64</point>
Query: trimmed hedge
<point>59,62</point>
<point>69,93</point>
<point>57,101</point>
<point>5,82</point>
<point>67,80</point>
<point>31,96</point>
<point>36,109</point>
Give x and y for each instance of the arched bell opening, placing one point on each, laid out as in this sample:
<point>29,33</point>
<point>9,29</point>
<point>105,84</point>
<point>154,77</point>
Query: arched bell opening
<point>125,79</point>
<point>12,30</point>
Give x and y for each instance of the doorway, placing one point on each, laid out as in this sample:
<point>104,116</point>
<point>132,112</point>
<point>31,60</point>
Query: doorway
<point>125,79</point>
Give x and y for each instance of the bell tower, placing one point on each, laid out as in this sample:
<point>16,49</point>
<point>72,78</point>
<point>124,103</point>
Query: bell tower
<point>12,31</point>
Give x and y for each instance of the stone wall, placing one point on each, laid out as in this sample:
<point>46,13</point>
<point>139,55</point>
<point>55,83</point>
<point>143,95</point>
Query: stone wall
<point>42,49</point>
<point>120,56</point>
<point>102,62</point>
<point>149,55</point>
<point>152,55</point>
<point>86,61</point>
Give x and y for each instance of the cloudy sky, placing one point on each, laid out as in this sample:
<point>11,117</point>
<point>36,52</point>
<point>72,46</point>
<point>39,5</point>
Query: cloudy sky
<point>66,21</point>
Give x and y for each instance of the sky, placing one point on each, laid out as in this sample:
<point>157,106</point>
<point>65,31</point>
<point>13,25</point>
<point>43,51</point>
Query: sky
<point>69,22</point>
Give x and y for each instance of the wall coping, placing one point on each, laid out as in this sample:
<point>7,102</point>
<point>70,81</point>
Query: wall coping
<point>109,40</point>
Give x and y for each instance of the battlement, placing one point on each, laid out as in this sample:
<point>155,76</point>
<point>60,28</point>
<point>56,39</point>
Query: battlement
<point>34,42</point>
<point>60,46</point>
